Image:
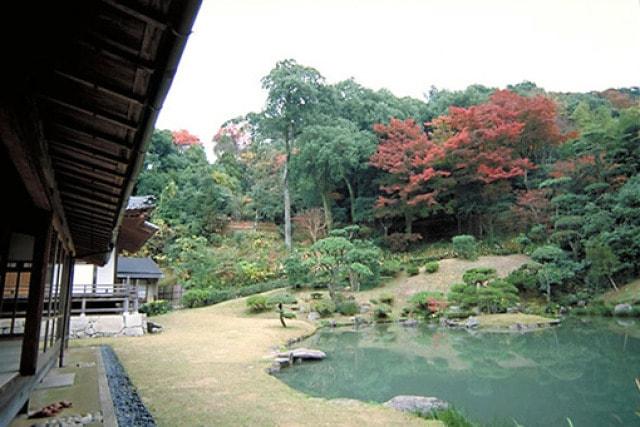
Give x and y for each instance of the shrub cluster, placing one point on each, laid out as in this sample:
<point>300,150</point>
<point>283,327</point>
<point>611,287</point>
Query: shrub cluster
<point>208,296</point>
<point>324,308</point>
<point>155,308</point>
<point>382,312</point>
<point>390,267</point>
<point>348,308</point>
<point>431,267</point>
<point>465,247</point>
<point>412,270</point>
<point>494,297</point>
<point>257,303</point>
<point>428,302</point>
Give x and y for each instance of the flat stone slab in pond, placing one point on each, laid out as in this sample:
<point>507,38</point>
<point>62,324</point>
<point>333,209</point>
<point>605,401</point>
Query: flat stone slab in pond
<point>416,404</point>
<point>304,354</point>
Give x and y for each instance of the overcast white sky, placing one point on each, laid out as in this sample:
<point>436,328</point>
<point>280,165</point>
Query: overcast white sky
<point>403,45</point>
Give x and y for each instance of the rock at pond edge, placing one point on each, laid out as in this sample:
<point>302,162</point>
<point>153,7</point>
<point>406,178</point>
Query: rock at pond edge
<point>416,404</point>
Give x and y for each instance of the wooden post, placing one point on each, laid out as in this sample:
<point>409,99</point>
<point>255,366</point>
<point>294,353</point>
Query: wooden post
<point>83,306</point>
<point>127,294</point>
<point>65,299</point>
<point>5,241</point>
<point>135,298</point>
<point>35,304</point>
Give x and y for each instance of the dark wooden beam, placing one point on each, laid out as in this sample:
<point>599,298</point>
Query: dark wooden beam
<point>30,343</point>
<point>145,16</point>
<point>103,87</point>
<point>95,172</point>
<point>60,120</point>
<point>127,56</point>
<point>88,150</point>
<point>21,132</point>
<point>98,196</point>
<point>59,127</point>
<point>103,116</point>
<point>80,207</point>
<point>86,180</point>
<point>104,165</point>
<point>90,201</point>
<point>90,220</point>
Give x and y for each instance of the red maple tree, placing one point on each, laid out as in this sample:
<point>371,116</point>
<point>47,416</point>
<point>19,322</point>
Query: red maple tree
<point>408,156</point>
<point>183,138</point>
<point>480,143</point>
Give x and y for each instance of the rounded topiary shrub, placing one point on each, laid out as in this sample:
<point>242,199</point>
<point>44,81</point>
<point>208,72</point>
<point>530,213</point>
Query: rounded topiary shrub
<point>431,267</point>
<point>276,299</point>
<point>465,247</point>
<point>412,270</point>
<point>324,308</point>
<point>257,303</point>
<point>154,308</point>
<point>348,308</point>
<point>390,267</point>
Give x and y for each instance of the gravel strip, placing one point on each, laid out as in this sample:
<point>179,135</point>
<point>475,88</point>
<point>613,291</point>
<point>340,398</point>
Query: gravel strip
<point>130,411</point>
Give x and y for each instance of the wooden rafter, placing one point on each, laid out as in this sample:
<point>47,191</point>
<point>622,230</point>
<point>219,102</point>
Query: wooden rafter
<point>147,17</point>
<point>102,87</point>
<point>110,118</point>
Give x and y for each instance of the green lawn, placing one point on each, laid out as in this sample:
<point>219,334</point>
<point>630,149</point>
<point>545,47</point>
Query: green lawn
<point>208,368</point>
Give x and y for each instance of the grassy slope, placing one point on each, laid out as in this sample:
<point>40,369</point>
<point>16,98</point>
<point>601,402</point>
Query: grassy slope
<point>449,273</point>
<point>208,368</point>
<point>629,293</point>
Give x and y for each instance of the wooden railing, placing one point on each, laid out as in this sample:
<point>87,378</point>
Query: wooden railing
<point>104,298</point>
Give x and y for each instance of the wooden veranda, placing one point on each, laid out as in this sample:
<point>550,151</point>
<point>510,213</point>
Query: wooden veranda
<point>81,85</point>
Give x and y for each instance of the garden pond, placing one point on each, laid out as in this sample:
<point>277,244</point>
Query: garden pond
<point>583,370</point>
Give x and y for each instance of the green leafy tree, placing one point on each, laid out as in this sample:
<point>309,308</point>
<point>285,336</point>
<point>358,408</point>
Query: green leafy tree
<point>331,155</point>
<point>293,91</point>
<point>556,268</point>
<point>603,264</point>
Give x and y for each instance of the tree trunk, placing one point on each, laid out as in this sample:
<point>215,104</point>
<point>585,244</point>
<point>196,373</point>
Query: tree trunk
<point>326,205</point>
<point>287,198</point>
<point>548,292</point>
<point>612,283</point>
<point>408,223</point>
<point>352,200</point>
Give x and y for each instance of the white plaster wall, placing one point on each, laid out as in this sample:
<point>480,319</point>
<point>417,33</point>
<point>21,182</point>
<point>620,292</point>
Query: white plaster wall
<point>107,273</point>
<point>82,275</point>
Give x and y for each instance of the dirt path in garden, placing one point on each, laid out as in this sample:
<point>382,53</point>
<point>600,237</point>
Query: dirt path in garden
<point>208,369</point>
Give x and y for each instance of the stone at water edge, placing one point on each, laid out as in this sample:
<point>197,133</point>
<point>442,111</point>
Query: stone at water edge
<point>472,322</point>
<point>409,323</point>
<point>313,316</point>
<point>416,404</point>
<point>304,354</point>
<point>622,309</point>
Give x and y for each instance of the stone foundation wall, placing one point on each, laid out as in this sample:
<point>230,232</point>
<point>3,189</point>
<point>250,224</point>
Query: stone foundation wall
<point>129,324</point>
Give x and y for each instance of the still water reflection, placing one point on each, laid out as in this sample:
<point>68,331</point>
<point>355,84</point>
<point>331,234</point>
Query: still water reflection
<point>583,371</point>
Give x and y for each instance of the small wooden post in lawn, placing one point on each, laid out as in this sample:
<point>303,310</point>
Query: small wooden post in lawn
<point>281,312</point>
